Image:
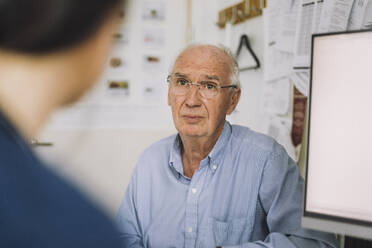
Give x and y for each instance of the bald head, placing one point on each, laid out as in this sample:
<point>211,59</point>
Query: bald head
<point>210,55</point>
<point>200,112</point>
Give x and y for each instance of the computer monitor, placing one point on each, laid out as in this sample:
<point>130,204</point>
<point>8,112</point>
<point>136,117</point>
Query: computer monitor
<point>338,187</point>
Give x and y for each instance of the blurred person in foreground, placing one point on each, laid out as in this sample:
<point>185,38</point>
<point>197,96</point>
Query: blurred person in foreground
<point>213,184</point>
<point>51,52</point>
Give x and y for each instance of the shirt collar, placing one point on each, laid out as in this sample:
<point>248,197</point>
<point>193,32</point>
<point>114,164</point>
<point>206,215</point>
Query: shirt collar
<point>214,158</point>
<point>217,152</point>
<point>175,160</point>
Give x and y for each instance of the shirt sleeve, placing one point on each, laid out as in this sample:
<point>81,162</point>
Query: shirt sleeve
<point>280,194</point>
<point>127,218</point>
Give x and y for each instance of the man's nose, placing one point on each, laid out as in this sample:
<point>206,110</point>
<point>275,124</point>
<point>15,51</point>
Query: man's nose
<point>193,96</point>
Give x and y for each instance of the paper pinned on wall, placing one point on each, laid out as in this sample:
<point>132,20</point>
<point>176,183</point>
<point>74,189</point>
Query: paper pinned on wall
<point>116,62</point>
<point>335,15</point>
<point>309,20</point>
<point>117,88</point>
<point>153,10</point>
<point>367,24</point>
<point>319,5</point>
<point>289,11</point>
<point>302,81</point>
<point>152,63</point>
<point>279,128</point>
<point>271,17</point>
<point>276,96</point>
<point>121,36</point>
<point>110,91</point>
<point>153,38</point>
<point>276,63</point>
<point>361,15</point>
<point>357,15</point>
<point>152,92</point>
<point>304,31</point>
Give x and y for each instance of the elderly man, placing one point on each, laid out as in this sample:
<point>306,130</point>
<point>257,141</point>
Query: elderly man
<point>213,184</point>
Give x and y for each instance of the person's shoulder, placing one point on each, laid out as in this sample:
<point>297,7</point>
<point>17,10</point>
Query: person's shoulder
<point>154,157</point>
<point>246,138</point>
<point>156,153</point>
<point>258,148</point>
<point>59,206</point>
<point>159,147</point>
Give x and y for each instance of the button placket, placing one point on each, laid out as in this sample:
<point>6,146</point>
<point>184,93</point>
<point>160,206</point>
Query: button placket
<point>191,220</point>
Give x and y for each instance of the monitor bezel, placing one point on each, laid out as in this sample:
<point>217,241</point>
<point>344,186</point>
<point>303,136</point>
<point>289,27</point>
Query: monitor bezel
<point>316,220</point>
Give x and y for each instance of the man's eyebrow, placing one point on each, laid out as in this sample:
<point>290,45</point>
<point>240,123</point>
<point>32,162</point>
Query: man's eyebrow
<point>180,75</point>
<point>209,77</point>
<point>212,77</point>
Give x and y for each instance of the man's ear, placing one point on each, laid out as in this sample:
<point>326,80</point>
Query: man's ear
<point>234,99</point>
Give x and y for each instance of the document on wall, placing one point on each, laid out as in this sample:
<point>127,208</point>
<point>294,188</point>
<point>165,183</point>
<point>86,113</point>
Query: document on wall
<point>305,27</point>
<point>279,128</point>
<point>276,63</point>
<point>302,81</point>
<point>152,92</point>
<point>367,23</point>
<point>308,22</point>
<point>357,15</point>
<point>276,96</point>
<point>317,15</point>
<point>271,17</point>
<point>289,10</point>
<point>335,15</point>
<point>154,10</point>
<point>153,38</point>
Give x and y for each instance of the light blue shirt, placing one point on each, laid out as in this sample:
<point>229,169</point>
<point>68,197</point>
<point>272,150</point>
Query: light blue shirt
<point>246,193</point>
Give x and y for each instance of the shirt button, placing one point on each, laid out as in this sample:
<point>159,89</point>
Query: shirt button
<point>193,190</point>
<point>214,167</point>
<point>189,229</point>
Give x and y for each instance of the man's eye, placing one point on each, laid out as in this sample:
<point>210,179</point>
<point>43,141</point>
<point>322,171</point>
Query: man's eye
<point>210,86</point>
<point>182,82</point>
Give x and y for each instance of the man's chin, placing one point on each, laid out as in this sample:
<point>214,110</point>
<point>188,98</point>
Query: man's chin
<point>192,132</point>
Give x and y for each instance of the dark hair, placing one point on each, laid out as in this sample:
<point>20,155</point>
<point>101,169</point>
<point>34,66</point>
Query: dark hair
<point>41,26</point>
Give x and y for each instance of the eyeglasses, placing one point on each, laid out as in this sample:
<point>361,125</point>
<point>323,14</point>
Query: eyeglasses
<point>207,89</point>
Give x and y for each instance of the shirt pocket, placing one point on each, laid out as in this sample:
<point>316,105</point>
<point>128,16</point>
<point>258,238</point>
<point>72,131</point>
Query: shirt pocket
<point>232,232</point>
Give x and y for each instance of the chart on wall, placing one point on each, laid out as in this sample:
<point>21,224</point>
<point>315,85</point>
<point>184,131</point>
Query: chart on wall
<point>132,91</point>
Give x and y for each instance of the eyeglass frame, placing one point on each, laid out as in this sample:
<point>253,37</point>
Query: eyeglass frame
<point>190,84</point>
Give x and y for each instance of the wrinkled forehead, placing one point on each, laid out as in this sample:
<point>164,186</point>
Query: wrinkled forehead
<point>203,60</point>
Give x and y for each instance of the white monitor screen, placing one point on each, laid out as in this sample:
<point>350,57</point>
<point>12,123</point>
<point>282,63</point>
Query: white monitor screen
<point>339,160</point>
